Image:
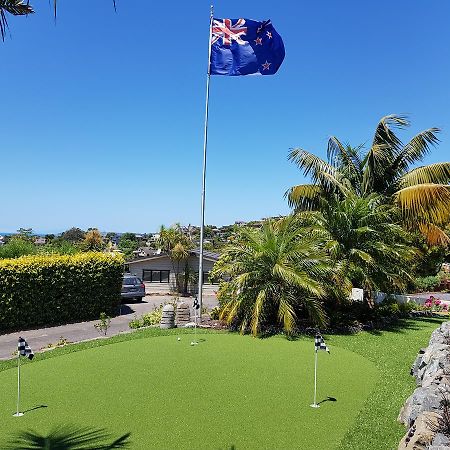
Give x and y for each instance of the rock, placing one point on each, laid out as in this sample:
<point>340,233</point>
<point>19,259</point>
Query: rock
<point>189,325</point>
<point>168,317</point>
<point>423,399</point>
<point>183,314</point>
<point>441,439</point>
<point>419,436</point>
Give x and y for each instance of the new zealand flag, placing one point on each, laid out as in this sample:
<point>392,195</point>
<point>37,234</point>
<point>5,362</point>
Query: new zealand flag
<point>245,47</point>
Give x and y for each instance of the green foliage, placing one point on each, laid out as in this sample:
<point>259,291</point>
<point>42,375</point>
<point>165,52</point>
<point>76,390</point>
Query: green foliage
<point>17,247</point>
<point>148,319</point>
<point>104,323</point>
<point>74,235</point>
<point>387,168</point>
<point>365,239</point>
<point>277,274</point>
<point>52,289</point>
<point>427,284</point>
<point>215,313</point>
<point>128,246</point>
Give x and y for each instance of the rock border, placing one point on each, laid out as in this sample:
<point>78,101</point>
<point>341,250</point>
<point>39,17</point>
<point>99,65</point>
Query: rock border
<point>422,411</point>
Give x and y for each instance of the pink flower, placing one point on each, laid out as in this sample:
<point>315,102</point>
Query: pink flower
<point>437,302</point>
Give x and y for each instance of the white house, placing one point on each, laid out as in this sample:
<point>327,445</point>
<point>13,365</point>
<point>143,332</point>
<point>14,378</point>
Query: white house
<point>158,271</point>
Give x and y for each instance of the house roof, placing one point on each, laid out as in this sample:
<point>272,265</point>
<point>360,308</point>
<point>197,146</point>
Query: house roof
<point>211,256</point>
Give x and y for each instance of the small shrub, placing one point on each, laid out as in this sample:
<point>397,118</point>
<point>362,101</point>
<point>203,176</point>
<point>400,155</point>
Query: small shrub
<point>104,324</point>
<point>427,284</point>
<point>215,313</point>
<point>148,319</point>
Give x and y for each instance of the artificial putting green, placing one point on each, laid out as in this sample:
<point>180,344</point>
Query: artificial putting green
<point>230,390</point>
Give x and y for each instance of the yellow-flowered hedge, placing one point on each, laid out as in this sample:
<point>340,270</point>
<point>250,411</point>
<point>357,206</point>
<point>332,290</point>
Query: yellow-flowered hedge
<point>49,290</point>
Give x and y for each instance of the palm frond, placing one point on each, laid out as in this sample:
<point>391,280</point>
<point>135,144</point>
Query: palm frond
<point>425,203</point>
<point>438,173</point>
<point>434,235</point>
<point>384,136</point>
<point>15,8</point>
<point>286,315</point>
<point>415,150</point>
<point>313,166</point>
<point>304,197</point>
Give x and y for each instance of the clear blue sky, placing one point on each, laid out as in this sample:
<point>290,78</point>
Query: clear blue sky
<point>102,114</point>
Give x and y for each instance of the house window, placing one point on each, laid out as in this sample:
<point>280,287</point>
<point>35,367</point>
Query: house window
<point>156,276</point>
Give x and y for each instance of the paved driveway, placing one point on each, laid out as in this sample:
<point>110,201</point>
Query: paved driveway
<point>81,331</point>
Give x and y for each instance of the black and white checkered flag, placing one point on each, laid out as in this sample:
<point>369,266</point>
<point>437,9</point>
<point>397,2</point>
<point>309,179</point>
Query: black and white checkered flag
<point>24,349</point>
<point>319,344</point>
<point>196,304</point>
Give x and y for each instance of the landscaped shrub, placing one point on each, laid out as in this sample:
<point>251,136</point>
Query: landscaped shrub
<point>427,284</point>
<point>52,290</point>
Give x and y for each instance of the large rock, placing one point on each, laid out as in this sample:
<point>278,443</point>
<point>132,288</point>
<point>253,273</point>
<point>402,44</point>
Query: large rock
<point>419,435</point>
<point>183,314</point>
<point>168,317</point>
<point>442,441</point>
<point>423,399</point>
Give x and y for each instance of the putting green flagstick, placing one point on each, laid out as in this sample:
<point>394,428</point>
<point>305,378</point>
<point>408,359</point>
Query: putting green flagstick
<point>18,413</point>
<point>314,404</point>
<point>196,307</point>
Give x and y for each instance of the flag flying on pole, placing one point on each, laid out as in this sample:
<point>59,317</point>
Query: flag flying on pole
<point>24,349</point>
<point>245,47</point>
<point>319,344</point>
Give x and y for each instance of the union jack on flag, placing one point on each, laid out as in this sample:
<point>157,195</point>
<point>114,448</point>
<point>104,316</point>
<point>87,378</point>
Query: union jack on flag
<point>245,47</point>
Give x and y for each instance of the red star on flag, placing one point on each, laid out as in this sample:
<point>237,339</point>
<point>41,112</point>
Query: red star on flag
<point>269,35</point>
<point>258,41</point>
<point>266,65</point>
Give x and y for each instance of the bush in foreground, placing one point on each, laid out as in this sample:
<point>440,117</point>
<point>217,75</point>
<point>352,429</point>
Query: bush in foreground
<point>53,290</point>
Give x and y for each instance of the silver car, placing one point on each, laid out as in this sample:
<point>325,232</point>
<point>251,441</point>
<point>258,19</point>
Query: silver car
<point>132,288</point>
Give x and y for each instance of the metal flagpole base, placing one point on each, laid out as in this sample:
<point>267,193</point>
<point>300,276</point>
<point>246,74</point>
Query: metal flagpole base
<point>18,414</point>
<point>314,405</point>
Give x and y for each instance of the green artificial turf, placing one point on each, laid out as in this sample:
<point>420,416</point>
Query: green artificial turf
<point>393,353</point>
<point>229,390</point>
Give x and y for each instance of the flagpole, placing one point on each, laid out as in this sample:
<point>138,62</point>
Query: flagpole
<point>315,405</point>
<point>18,414</point>
<point>205,146</point>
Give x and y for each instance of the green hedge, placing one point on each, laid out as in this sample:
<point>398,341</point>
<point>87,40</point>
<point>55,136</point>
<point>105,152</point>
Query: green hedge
<point>38,291</point>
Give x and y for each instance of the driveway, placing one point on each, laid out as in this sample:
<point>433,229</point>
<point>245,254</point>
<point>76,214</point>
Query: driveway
<point>75,332</point>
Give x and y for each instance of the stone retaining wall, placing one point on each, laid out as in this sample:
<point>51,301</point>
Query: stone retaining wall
<point>423,411</point>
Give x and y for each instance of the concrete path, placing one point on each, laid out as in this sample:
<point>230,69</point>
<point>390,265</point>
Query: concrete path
<point>75,332</point>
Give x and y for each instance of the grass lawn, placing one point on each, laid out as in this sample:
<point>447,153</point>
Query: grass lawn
<point>229,390</point>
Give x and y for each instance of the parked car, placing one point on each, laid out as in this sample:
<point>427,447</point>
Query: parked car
<point>132,288</point>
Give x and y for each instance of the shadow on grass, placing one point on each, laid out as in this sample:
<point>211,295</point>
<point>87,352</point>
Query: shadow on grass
<point>34,408</point>
<point>328,399</point>
<point>67,437</point>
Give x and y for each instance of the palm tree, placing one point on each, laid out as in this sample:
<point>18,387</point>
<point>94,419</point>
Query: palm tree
<point>422,193</point>
<point>15,8</point>
<point>176,244</point>
<point>276,275</point>
<point>364,237</point>
<point>67,438</point>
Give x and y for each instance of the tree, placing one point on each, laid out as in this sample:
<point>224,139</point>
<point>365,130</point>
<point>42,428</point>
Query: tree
<point>15,8</point>
<point>16,247</point>
<point>277,274</point>
<point>422,194</point>
<point>128,246</point>
<point>73,235</point>
<point>365,239</point>
<point>176,244</point>
<point>25,233</point>
<point>93,240</point>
